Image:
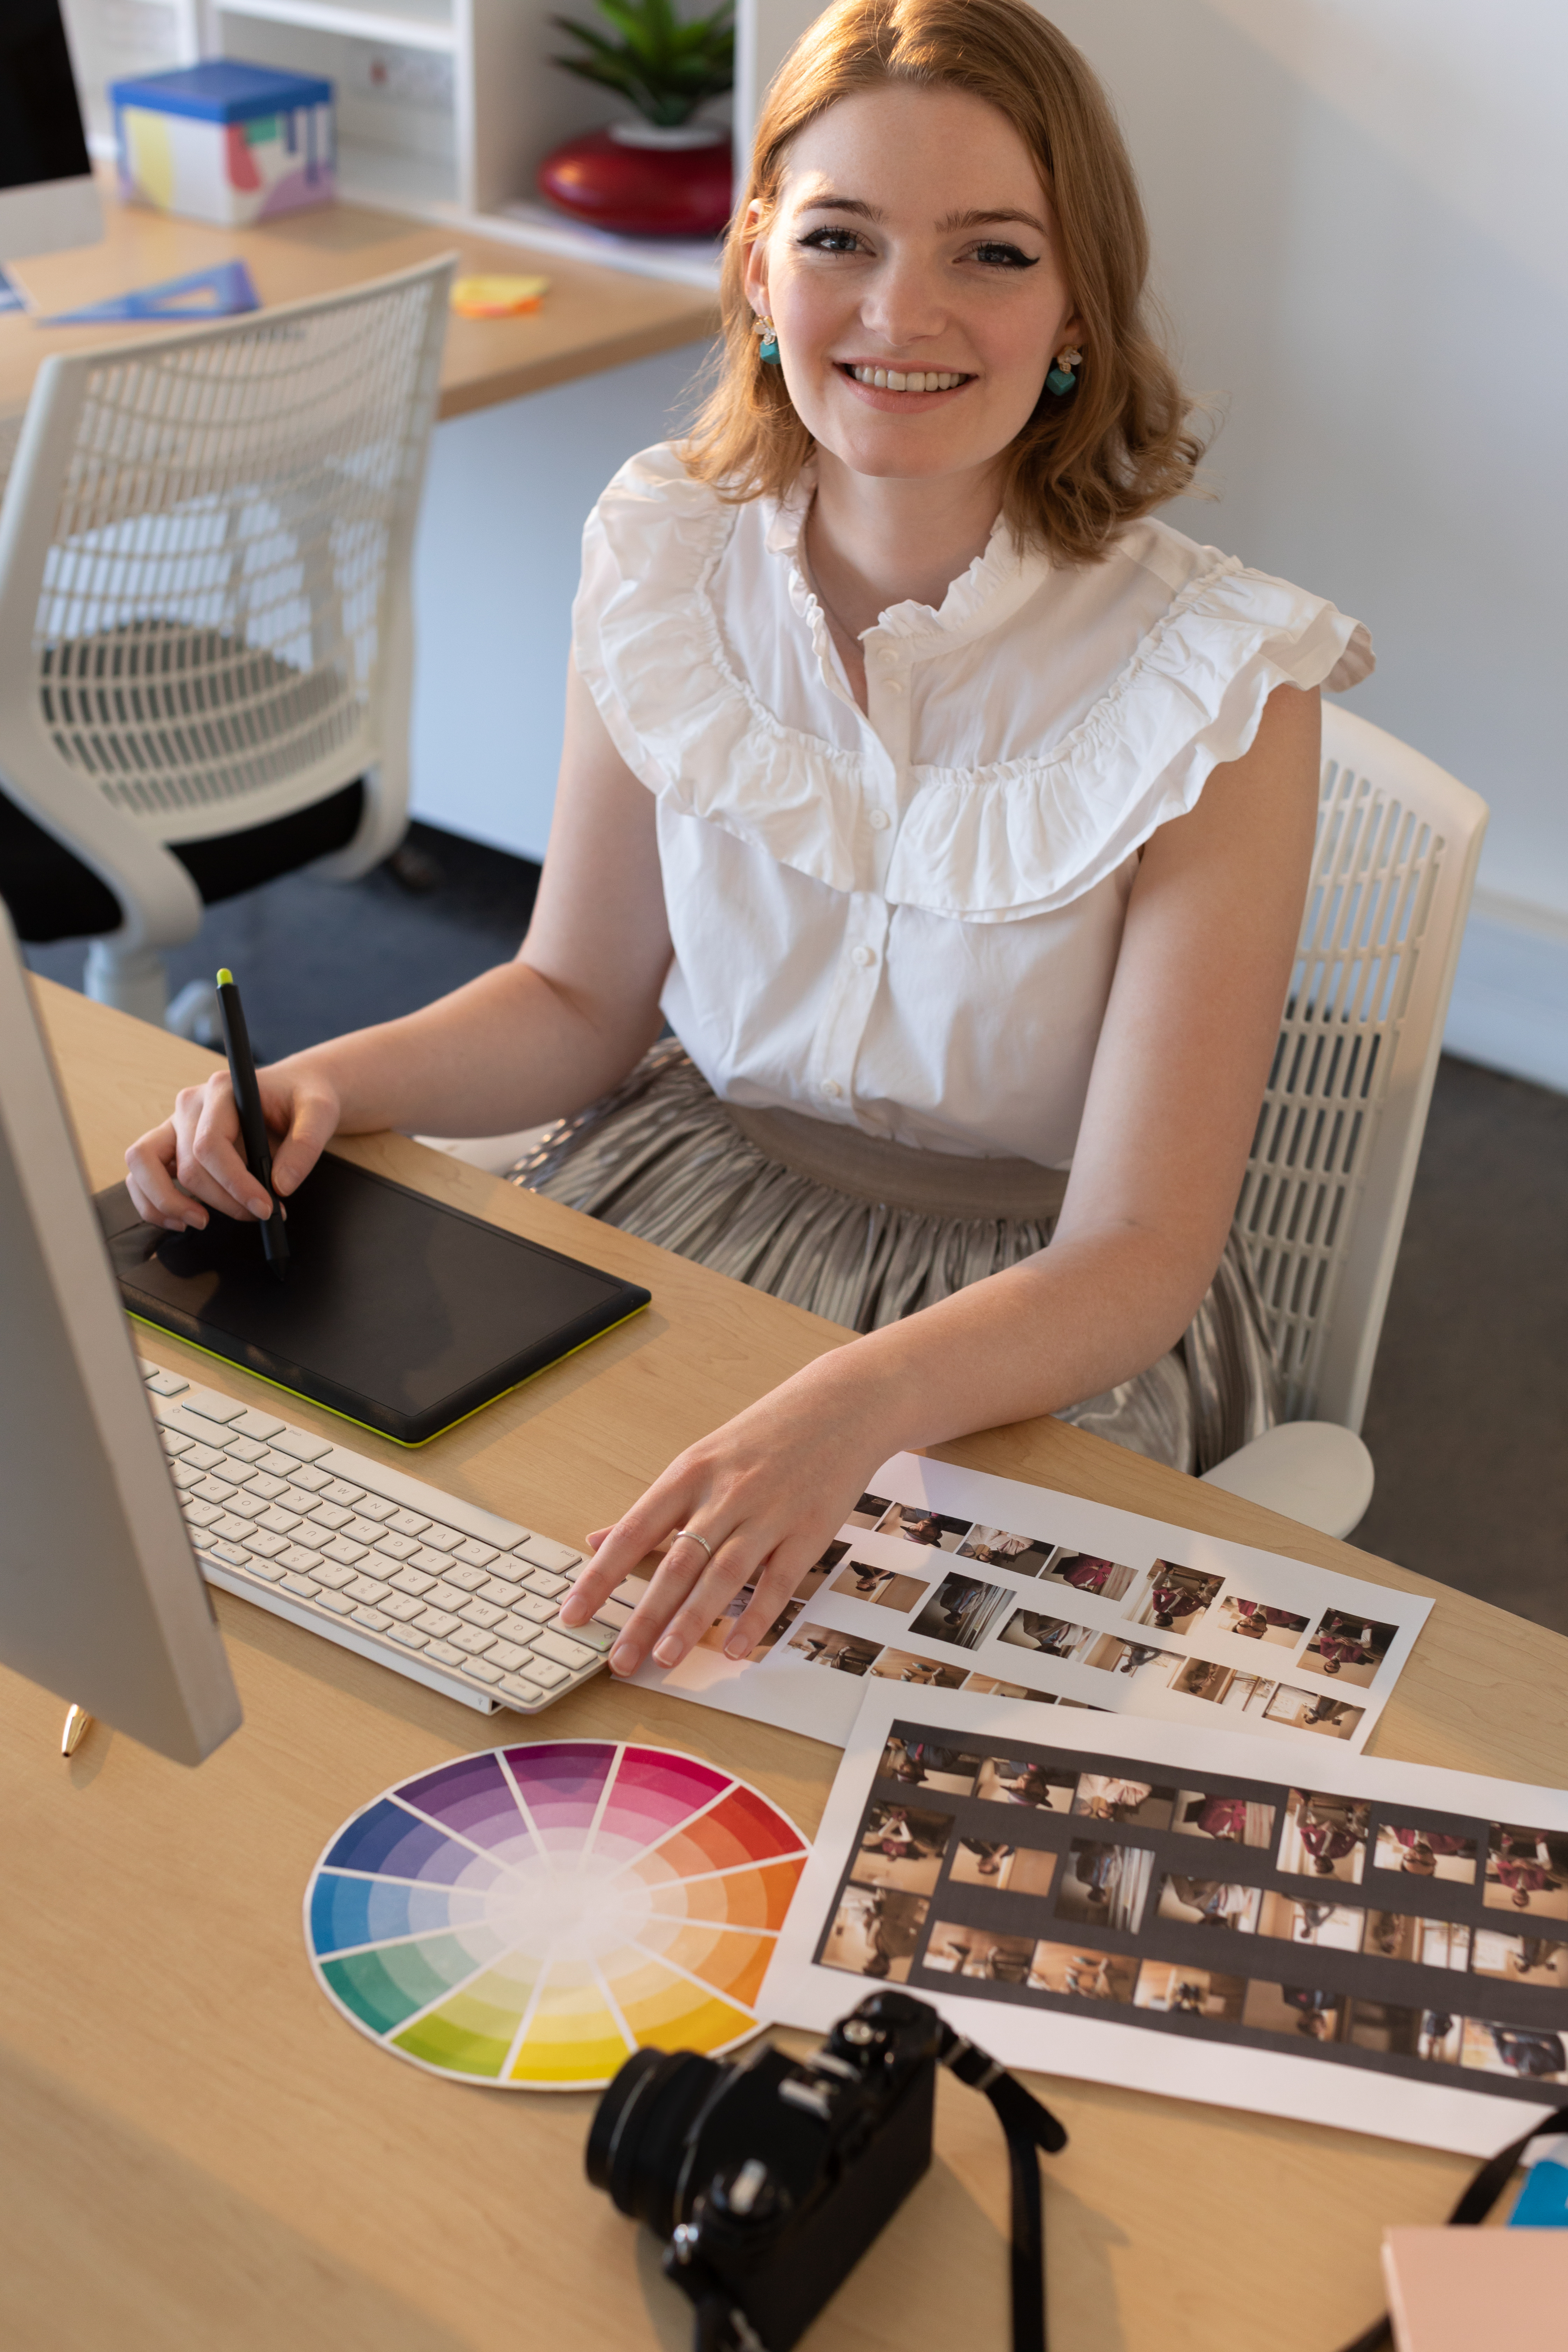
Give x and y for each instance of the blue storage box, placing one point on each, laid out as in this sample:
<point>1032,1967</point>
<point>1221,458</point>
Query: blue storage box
<point>224,142</point>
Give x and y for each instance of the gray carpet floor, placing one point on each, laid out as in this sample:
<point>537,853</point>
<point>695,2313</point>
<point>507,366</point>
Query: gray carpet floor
<point>1467,1420</point>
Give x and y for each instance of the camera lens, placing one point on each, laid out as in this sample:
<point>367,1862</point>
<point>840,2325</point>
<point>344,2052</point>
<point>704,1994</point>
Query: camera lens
<point>637,2145</point>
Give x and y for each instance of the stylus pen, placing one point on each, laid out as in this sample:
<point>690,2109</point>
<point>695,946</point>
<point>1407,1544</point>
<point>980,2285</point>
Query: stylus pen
<point>252,1124</point>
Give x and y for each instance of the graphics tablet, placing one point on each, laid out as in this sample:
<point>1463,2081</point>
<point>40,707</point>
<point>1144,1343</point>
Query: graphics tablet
<point>399,1312</point>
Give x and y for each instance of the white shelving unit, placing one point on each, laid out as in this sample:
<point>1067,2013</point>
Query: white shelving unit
<point>444,108</point>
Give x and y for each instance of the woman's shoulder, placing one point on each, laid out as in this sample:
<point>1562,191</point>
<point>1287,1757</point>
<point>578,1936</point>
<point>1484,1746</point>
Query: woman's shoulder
<point>1216,604</point>
<point>652,514</point>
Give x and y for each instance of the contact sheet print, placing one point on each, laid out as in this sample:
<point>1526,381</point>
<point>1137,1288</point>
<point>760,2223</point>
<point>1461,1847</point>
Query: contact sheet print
<point>1176,1910</point>
<point>947,1579</point>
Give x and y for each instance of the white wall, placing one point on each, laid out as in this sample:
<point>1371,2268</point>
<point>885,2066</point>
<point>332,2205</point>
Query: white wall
<point>495,566</point>
<point>1358,208</point>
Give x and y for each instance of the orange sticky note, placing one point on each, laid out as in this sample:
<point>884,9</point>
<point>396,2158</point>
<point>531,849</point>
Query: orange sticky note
<point>497,297</point>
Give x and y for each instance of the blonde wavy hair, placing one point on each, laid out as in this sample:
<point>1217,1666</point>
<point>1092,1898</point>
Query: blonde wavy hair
<point>1088,461</point>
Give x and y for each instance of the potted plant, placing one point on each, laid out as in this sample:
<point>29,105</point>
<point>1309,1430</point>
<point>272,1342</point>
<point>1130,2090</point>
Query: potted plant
<point>661,174</point>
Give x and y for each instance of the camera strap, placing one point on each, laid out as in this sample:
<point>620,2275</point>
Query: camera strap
<point>1473,2207</point>
<point>1030,2128</point>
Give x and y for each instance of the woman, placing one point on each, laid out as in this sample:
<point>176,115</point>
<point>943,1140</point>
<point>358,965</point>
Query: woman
<point>956,816</point>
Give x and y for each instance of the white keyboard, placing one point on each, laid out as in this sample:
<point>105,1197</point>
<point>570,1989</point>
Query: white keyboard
<point>434,1588</point>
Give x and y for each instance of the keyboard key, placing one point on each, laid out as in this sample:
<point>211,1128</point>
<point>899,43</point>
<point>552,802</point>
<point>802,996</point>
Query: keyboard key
<point>568,1654</point>
<point>613,1613</point>
<point>437,1621</point>
<point>256,1425</point>
<point>300,1473</point>
<point>363,1530</point>
<point>508,1656</point>
<point>367,1589</point>
<point>597,1637</point>
<point>340,1491</point>
<point>214,1490</point>
<point>409,1635</point>
<point>246,1506</point>
<point>473,1641</point>
<point>304,1561</point>
<point>201,1515</point>
<point>432,1563</point>
<point>630,1591</point>
<point>376,1507</point>
<point>408,1579</point>
<point>497,1589</point>
<point>175,1444</point>
<point>215,1408</point>
<point>406,1523</point>
<point>328,1572</point>
<point>231,1530</point>
<point>546,1554</point>
<point>517,1629</point>
<point>264,1546</point>
<point>546,1671</point>
<point>480,1670</point>
<point>268,1569</point>
<point>404,1607</point>
<point>271,1490</point>
<point>443,1652</point>
<point>469,1578</point>
<point>228,1555</point>
<point>297,1498</point>
<point>299,1584</point>
<point>444,1594</point>
<point>521,1693</point>
<point>184,1477</point>
<point>278,1522</point>
<point>338,1603</point>
<point>476,1555</point>
<point>372,1618</point>
<point>398,1548</point>
<point>245,1449</point>
<point>535,1612</point>
<point>331,1515</point>
<point>482,1613</point>
<point>443,1538</point>
<point>539,1580</point>
<point>303,1448</point>
<point>167,1384</point>
<point>346,1554</point>
<point>277,1466</point>
<point>202,1457</point>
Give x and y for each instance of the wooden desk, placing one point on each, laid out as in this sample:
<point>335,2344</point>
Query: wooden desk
<point>591,319</point>
<point>196,2153</point>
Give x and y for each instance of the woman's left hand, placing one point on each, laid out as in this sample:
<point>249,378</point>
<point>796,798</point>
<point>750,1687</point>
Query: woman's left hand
<point>767,1492</point>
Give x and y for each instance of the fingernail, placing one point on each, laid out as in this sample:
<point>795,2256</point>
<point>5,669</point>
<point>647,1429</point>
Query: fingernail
<point>624,1658</point>
<point>737,1648</point>
<point>260,1206</point>
<point>670,1650</point>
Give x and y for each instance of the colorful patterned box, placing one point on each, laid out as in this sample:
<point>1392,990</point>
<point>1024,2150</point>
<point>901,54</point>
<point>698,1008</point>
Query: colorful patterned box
<point>226,142</point>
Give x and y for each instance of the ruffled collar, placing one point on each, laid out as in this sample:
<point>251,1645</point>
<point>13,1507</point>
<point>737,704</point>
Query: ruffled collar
<point>1003,577</point>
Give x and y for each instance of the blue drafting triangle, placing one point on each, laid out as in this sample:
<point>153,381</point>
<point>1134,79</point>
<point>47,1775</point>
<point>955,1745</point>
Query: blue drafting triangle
<point>221,292</point>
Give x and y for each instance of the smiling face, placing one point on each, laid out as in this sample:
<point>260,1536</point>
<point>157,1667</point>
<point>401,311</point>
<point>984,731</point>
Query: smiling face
<point>914,244</point>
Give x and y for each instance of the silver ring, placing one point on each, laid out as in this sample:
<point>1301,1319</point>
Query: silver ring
<point>707,1547</point>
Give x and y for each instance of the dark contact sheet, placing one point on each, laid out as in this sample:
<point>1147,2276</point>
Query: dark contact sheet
<point>1255,1913</point>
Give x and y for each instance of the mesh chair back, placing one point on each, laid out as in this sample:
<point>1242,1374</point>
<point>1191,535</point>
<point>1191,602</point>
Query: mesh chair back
<point>212,562</point>
<point>1334,1157</point>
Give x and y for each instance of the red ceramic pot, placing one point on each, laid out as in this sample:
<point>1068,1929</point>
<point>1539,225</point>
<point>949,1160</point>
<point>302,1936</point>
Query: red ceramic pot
<point>642,181</point>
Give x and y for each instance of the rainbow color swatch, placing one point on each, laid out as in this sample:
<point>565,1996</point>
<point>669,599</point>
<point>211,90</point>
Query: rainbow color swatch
<point>528,1916</point>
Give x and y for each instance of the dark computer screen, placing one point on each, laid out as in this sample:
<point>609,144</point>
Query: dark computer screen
<point>40,120</point>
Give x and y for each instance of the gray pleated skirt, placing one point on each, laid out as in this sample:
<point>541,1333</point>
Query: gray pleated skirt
<point>864,1232</point>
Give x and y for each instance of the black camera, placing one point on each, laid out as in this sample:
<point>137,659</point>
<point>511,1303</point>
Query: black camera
<point>768,2178</point>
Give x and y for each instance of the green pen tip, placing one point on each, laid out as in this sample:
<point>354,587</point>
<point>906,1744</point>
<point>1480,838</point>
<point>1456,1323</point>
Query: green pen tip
<point>226,977</point>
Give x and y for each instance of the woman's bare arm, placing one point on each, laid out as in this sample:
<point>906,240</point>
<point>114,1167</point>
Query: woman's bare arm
<point>531,1040</point>
<point>1178,1075</point>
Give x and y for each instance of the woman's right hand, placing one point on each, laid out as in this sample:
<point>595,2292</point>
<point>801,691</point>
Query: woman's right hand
<point>175,1172</point>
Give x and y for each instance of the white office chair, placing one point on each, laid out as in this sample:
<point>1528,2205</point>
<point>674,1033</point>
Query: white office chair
<point>1329,1181</point>
<point>206,638</point>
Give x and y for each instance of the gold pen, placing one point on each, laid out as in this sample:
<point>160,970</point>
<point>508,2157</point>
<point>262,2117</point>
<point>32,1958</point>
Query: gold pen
<point>78,1723</point>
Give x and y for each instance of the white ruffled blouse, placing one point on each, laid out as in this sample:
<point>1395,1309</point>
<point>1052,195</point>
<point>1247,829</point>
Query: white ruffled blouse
<point>908,920</point>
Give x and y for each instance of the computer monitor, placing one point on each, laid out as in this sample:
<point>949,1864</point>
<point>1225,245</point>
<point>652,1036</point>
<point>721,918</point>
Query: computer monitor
<point>47,198</point>
<point>101,1597</point>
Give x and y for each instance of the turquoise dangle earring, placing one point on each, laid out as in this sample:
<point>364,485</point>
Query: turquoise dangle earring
<point>1062,377</point>
<point>767,340</point>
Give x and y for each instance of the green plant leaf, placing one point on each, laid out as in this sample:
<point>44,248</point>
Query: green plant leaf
<point>665,67</point>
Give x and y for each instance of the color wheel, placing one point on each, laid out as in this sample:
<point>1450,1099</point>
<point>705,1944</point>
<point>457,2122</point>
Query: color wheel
<point>528,1916</point>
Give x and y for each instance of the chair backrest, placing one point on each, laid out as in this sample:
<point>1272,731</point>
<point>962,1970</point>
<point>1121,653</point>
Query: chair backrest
<point>205,554</point>
<point>1334,1157</point>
